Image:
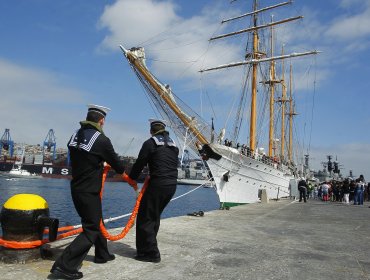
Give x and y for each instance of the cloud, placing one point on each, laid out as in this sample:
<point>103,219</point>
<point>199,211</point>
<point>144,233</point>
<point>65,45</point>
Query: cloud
<point>34,101</point>
<point>175,46</point>
<point>353,3</point>
<point>336,37</point>
<point>353,24</point>
<point>131,22</point>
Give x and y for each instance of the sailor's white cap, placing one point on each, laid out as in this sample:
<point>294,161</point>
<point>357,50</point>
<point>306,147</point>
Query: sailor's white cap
<point>99,109</point>
<point>157,121</point>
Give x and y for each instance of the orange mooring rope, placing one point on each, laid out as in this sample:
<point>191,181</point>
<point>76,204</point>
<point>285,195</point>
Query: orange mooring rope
<point>71,230</point>
<point>130,221</point>
<point>35,243</point>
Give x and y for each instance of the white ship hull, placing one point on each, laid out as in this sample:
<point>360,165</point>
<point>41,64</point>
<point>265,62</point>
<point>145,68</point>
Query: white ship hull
<point>239,179</point>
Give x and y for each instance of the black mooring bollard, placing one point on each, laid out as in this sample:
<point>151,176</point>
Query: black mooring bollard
<point>23,219</point>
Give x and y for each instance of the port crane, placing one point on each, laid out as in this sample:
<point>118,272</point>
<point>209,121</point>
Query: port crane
<point>50,144</point>
<point>6,143</point>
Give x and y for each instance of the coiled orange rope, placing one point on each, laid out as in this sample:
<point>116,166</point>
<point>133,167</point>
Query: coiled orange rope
<point>72,230</point>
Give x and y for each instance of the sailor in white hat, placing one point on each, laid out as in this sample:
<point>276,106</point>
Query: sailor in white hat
<point>160,154</point>
<point>157,122</point>
<point>99,109</point>
<point>89,149</point>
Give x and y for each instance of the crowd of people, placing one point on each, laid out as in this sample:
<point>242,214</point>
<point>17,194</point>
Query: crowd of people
<point>244,149</point>
<point>259,155</point>
<point>348,191</point>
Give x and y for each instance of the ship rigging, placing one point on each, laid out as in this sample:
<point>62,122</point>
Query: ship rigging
<point>240,173</point>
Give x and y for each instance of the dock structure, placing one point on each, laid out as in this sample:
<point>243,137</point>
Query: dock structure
<point>282,239</point>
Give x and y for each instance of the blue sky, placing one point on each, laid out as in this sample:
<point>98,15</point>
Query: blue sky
<point>58,56</point>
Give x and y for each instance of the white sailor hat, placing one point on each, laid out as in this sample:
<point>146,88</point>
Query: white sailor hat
<point>99,109</point>
<point>156,121</point>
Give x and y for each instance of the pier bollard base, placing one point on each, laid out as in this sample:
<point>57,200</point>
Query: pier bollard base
<point>263,196</point>
<point>23,256</point>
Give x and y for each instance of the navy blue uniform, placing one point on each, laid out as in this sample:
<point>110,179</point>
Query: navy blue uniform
<point>161,155</point>
<point>89,148</point>
<point>302,187</point>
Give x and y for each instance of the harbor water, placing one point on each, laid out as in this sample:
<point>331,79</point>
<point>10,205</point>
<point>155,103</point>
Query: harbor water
<point>118,199</point>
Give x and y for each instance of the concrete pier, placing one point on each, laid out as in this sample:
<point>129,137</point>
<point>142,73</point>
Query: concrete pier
<point>282,239</point>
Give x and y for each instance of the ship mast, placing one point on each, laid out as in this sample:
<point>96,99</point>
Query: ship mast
<point>253,119</point>
<point>291,114</point>
<point>257,57</point>
<point>271,82</point>
<point>283,100</point>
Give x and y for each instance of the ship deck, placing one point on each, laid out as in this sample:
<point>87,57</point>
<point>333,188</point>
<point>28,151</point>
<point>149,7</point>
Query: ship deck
<point>281,239</point>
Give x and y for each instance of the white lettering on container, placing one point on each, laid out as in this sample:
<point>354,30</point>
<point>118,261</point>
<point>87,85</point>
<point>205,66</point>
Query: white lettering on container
<point>46,170</point>
<point>64,171</point>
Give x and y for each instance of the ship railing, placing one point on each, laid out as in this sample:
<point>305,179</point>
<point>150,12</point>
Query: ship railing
<point>246,151</point>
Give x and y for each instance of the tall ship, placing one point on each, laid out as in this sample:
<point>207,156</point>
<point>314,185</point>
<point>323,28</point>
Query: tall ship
<point>240,172</point>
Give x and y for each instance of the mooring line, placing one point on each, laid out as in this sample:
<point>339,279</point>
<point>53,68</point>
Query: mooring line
<point>107,220</point>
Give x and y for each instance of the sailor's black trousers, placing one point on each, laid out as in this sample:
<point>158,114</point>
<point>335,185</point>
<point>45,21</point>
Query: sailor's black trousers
<point>153,202</point>
<point>89,207</point>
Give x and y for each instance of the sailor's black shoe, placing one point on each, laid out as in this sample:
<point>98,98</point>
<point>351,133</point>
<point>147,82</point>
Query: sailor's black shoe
<point>110,258</point>
<point>61,273</point>
<point>148,258</point>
